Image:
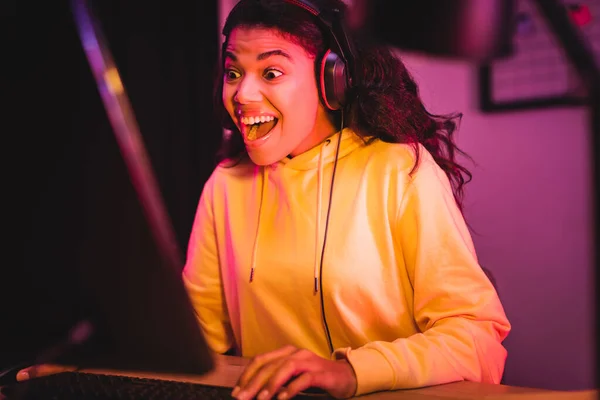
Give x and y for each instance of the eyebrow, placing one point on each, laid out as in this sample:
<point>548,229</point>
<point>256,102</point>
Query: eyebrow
<point>261,56</point>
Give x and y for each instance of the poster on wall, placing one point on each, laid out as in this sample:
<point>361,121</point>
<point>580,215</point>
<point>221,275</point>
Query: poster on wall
<point>538,73</point>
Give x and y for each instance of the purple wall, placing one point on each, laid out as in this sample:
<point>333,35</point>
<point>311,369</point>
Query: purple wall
<point>529,205</point>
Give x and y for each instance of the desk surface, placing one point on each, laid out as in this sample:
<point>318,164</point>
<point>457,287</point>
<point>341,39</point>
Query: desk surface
<point>228,369</point>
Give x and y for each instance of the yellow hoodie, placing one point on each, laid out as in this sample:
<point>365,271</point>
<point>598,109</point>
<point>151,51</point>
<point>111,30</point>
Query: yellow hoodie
<point>405,300</point>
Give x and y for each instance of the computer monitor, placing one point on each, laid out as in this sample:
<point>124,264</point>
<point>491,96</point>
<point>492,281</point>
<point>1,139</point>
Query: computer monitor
<point>110,294</point>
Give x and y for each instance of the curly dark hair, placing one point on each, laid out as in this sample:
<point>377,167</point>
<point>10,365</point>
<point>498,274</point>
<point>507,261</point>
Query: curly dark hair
<point>384,100</point>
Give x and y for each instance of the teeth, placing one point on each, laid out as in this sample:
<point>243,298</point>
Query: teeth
<point>257,119</point>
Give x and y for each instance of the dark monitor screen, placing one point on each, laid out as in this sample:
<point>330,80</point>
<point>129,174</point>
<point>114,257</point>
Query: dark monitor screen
<point>83,256</point>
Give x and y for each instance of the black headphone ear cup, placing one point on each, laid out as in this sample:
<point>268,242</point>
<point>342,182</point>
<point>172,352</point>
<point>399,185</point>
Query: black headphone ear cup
<point>333,82</point>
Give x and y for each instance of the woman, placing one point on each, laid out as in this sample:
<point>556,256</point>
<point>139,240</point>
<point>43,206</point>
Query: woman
<point>336,258</point>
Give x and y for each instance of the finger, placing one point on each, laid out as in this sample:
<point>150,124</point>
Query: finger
<point>256,386</point>
<point>40,370</point>
<point>273,376</point>
<point>298,364</point>
<point>259,361</point>
<point>302,382</point>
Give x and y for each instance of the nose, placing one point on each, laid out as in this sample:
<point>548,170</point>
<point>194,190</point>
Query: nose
<point>248,91</point>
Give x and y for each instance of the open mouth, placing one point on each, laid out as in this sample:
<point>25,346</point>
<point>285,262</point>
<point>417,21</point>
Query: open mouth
<point>254,128</point>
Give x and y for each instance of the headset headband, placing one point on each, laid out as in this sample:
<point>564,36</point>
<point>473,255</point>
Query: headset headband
<point>334,25</point>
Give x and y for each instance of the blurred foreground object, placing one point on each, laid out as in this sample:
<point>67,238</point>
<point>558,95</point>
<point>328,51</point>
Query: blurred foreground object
<point>478,30</point>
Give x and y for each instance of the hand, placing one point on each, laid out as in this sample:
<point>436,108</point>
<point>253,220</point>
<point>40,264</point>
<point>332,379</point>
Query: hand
<point>285,372</point>
<point>40,370</point>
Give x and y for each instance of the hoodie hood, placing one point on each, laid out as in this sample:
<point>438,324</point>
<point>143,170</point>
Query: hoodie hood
<point>325,151</point>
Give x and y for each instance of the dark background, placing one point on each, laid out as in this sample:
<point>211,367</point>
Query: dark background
<point>70,201</point>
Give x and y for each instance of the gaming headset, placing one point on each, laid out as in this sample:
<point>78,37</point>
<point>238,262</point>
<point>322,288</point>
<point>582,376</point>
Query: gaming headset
<point>335,71</point>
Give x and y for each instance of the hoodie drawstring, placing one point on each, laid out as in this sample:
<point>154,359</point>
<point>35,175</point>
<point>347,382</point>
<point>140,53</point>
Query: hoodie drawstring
<point>317,263</point>
<point>319,246</point>
<point>265,176</point>
<point>319,209</point>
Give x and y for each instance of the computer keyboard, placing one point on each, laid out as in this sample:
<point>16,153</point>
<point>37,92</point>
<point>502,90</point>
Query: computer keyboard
<point>88,386</point>
<point>84,386</point>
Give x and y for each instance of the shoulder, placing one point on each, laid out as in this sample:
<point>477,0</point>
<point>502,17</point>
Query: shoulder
<point>229,173</point>
<point>408,169</point>
<point>403,159</point>
<point>232,170</point>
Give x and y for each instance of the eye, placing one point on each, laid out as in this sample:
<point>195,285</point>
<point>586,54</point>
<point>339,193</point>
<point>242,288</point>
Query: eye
<point>272,73</point>
<point>231,75</point>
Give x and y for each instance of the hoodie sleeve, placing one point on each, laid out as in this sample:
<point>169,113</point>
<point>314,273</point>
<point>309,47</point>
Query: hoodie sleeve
<point>461,320</point>
<point>202,275</point>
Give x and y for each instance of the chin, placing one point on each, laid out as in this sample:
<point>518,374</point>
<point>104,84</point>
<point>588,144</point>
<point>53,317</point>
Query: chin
<point>264,158</point>
<point>269,151</point>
